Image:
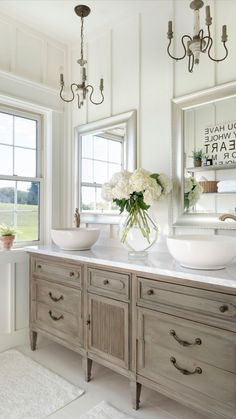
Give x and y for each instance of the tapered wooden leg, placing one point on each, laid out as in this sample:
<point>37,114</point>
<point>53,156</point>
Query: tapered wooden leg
<point>87,367</point>
<point>135,394</point>
<point>33,340</point>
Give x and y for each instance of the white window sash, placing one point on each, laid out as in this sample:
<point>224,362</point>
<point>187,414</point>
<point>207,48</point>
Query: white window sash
<point>39,165</point>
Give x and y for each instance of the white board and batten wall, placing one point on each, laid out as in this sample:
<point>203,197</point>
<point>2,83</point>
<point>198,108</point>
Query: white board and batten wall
<point>14,292</point>
<point>29,69</point>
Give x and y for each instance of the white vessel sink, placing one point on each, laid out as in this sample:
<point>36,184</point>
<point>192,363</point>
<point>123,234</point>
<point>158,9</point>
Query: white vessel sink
<point>75,238</point>
<point>202,252</point>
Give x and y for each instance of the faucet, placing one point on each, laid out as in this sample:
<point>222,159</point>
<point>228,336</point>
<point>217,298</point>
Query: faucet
<point>224,217</point>
<point>77,218</point>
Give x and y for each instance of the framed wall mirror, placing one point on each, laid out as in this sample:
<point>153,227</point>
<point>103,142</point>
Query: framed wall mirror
<point>103,148</point>
<point>204,158</point>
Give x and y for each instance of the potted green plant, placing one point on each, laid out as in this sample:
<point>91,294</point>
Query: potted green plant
<point>197,156</point>
<point>7,236</point>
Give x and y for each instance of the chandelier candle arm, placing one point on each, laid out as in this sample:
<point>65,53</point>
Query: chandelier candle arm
<point>219,59</point>
<point>198,43</point>
<point>92,91</point>
<point>185,48</point>
<point>72,91</point>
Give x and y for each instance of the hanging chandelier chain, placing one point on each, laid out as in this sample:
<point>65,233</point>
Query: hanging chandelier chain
<point>82,38</point>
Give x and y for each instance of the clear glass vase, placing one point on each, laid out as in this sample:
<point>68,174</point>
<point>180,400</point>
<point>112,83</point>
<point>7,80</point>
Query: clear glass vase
<point>137,232</point>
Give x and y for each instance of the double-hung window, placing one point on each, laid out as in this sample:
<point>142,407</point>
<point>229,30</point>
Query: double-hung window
<point>102,155</point>
<point>20,172</point>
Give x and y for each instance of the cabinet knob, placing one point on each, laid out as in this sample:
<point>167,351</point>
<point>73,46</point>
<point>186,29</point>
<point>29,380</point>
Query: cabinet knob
<point>39,266</point>
<point>72,274</point>
<point>150,292</point>
<point>223,308</point>
<point>88,321</point>
<point>105,282</point>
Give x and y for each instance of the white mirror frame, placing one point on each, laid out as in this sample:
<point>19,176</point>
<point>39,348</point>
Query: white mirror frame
<point>130,120</point>
<point>178,217</point>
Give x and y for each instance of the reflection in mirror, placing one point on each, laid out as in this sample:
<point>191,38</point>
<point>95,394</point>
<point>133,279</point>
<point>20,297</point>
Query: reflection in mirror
<point>103,148</point>
<point>204,158</point>
<point>210,157</point>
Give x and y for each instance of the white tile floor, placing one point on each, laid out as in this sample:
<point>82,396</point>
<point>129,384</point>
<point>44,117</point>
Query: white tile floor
<point>105,385</point>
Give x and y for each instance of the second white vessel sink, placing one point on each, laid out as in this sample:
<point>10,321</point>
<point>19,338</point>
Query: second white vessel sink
<point>202,252</point>
<point>75,238</point>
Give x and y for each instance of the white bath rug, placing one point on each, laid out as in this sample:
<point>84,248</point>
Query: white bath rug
<point>30,391</point>
<point>104,411</point>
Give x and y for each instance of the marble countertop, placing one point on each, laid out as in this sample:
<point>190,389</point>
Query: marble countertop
<point>158,262</point>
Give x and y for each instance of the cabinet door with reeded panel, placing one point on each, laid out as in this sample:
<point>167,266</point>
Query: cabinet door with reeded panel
<point>108,329</point>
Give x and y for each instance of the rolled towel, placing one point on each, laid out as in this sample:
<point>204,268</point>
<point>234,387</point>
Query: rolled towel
<point>226,190</point>
<point>226,186</point>
<point>229,182</point>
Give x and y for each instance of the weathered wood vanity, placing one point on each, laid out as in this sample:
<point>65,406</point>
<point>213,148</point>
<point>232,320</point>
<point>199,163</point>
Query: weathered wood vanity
<point>171,330</point>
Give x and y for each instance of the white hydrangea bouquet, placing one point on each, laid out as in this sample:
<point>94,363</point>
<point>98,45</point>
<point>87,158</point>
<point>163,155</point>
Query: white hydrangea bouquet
<point>135,193</point>
<point>192,192</point>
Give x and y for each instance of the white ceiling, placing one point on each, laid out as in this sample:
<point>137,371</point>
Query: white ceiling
<point>57,19</point>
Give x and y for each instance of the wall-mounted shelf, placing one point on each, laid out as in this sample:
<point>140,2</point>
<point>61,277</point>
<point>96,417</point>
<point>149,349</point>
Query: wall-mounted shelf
<point>206,168</point>
<point>218,193</point>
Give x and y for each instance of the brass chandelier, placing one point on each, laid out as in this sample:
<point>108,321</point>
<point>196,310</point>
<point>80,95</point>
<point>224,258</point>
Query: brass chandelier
<point>199,42</point>
<point>81,90</point>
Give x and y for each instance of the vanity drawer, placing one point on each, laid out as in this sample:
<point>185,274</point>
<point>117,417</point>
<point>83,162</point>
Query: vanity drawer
<point>57,296</point>
<point>157,294</point>
<point>163,360</point>
<point>189,339</point>
<point>108,283</point>
<point>56,321</point>
<point>56,271</point>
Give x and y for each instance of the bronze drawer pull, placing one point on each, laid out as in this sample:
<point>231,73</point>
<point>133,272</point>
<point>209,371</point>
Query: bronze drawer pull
<point>184,342</point>
<point>105,282</point>
<point>197,370</point>
<point>72,274</point>
<point>54,317</point>
<point>39,266</point>
<point>224,308</point>
<point>55,299</point>
<point>150,292</point>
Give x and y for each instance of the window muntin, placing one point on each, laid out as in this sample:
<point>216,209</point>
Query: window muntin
<point>101,157</point>
<point>20,171</point>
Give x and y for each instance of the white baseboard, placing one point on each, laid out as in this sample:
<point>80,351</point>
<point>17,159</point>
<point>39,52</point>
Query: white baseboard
<point>17,338</point>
